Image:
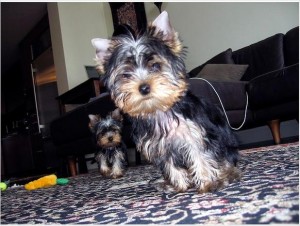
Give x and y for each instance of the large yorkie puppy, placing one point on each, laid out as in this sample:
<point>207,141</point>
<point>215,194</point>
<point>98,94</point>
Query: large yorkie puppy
<point>188,139</point>
<point>111,150</point>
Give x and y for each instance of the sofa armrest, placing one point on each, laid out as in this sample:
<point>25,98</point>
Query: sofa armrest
<point>274,88</point>
<point>232,93</point>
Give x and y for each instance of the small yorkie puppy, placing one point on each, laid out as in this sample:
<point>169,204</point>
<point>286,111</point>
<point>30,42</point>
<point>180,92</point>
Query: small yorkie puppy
<point>111,150</point>
<point>187,138</point>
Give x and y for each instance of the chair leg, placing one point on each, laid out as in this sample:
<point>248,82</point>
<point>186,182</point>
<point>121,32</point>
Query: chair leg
<point>72,165</point>
<point>274,126</point>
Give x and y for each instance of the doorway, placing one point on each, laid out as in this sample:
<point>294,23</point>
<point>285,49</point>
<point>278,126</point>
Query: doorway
<point>45,90</point>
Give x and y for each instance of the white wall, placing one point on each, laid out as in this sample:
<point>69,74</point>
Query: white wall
<point>205,28</point>
<point>72,26</point>
<point>208,28</point>
<point>57,46</point>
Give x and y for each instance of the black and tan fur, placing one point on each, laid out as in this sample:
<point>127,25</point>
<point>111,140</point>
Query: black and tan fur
<point>111,150</point>
<point>187,138</point>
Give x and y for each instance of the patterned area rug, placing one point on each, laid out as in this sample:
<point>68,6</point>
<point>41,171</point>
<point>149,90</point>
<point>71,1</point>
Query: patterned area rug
<point>267,193</point>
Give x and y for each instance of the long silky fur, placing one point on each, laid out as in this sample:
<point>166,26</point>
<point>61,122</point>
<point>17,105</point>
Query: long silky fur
<point>188,139</point>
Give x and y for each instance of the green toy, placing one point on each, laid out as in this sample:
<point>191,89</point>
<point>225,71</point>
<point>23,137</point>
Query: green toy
<point>62,181</point>
<point>3,186</point>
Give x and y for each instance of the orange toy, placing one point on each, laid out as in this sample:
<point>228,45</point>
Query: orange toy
<point>43,182</point>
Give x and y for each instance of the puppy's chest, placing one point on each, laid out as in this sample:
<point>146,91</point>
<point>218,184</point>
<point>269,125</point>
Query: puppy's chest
<point>166,129</point>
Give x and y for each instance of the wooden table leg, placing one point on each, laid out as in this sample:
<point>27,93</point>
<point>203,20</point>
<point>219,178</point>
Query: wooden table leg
<point>72,165</point>
<point>274,126</point>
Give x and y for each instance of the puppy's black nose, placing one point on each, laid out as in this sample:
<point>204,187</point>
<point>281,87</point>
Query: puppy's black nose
<point>144,89</point>
<point>110,139</point>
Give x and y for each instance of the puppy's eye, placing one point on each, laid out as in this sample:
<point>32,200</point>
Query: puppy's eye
<point>155,67</point>
<point>126,75</point>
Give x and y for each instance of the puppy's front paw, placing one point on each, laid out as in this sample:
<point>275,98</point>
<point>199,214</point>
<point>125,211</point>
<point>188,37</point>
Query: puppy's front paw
<point>116,172</point>
<point>105,171</point>
<point>115,176</point>
<point>210,186</point>
<point>161,185</point>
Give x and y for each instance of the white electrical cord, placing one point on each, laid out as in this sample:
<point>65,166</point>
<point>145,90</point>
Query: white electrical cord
<point>245,115</point>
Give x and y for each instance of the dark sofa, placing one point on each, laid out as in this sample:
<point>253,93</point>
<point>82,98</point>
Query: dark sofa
<point>271,81</point>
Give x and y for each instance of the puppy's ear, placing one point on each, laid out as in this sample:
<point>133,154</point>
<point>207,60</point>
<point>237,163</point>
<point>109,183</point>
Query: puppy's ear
<point>165,31</point>
<point>163,24</point>
<point>93,120</point>
<point>116,114</point>
<point>101,46</point>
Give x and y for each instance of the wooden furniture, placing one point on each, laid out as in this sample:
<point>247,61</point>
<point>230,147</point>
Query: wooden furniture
<point>25,154</point>
<point>81,94</point>
<point>17,154</point>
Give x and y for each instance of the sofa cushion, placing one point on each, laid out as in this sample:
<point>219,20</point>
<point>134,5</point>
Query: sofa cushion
<point>274,88</point>
<point>224,57</point>
<point>262,57</point>
<point>232,93</point>
<point>291,47</point>
<point>223,72</point>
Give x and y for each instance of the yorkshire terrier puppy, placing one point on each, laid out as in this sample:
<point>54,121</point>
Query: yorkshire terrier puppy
<point>111,150</point>
<point>187,138</point>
